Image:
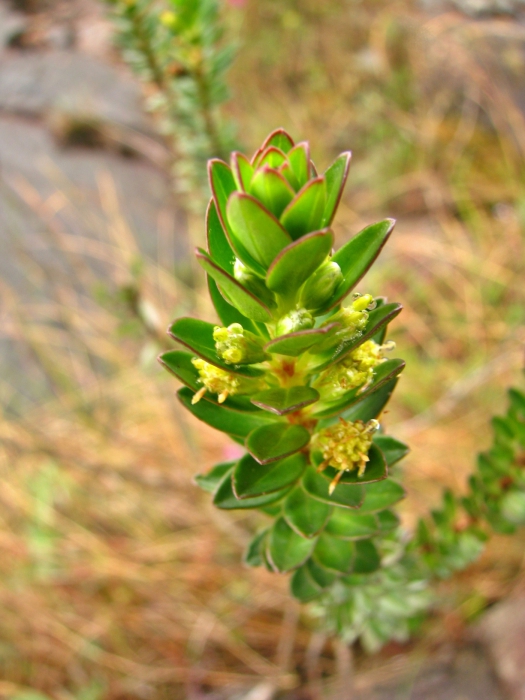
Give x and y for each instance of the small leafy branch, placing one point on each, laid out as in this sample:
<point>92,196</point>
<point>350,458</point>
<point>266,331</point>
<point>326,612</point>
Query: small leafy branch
<point>301,380</point>
<point>174,46</point>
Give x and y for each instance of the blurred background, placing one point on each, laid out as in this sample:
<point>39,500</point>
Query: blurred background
<point>118,579</point>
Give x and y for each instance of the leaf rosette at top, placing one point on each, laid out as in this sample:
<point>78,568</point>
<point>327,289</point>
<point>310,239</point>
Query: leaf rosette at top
<point>265,204</point>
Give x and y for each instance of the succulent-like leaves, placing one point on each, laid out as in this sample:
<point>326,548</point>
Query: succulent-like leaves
<point>393,450</point>
<point>367,557</point>
<point>254,553</point>
<point>223,186</point>
<point>276,441</point>
<point>181,366</point>
<point>272,189</point>
<point>377,319</point>
<point>226,499</point>
<point>198,337</point>
<point>344,496</point>
<point>352,526</point>
<point>303,587</point>
<point>357,256</point>
<point>250,478</point>
<point>282,401</point>
<point>279,138</point>
<point>384,373</point>
<point>294,344</point>
<point>286,550</point>
<point>319,574</point>
<point>227,313</point>
<point>243,300</point>
<point>335,177</point>
<point>295,263</point>
<point>305,212</point>
<point>211,480</point>
<point>334,554</point>
<point>299,160</point>
<point>368,408</point>
<point>304,514</point>
<point>269,269</point>
<point>255,229</point>
<point>218,245</point>
<point>381,495</point>
<point>229,421</point>
<point>242,171</point>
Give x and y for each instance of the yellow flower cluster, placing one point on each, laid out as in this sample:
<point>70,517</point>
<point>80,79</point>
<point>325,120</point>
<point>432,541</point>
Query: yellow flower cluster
<point>355,370</point>
<point>215,380</point>
<point>237,346</point>
<point>345,446</point>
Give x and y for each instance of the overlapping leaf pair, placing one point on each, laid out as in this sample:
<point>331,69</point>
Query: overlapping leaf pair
<point>295,377</point>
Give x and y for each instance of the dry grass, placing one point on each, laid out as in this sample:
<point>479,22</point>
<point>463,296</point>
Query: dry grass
<point>118,579</point>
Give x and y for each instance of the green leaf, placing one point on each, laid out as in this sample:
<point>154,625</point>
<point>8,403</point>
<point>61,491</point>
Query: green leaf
<point>381,495</point>
<point>280,139</point>
<point>253,479</point>
<point>335,177</point>
<point>383,374</point>
<point>272,189</point>
<point>305,514</point>
<point>321,576</point>
<point>357,256</point>
<point>392,449</point>
<point>198,337</point>
<point>303,587</point>
<point>243,300</point>
<point>376,469</point>
<point>295,263</point>
<point>376,319</point>
<point>388,520</point>
<point>242,171</point>
<point>367,559</point>
<point>180,364</point>
<point>286,549</point>
<point>226,499</point>
<point>286,171</point>
<point>210,481</point>
<point>345,495</point>
<point>276,441</point>
<point>218,245</point>
<point>295,344</point>
<point>305,212</point>
<point>299,161</point>
<point>283,401</point>
<point>334,554</point>
<point>235,423</point>
<point>227,313</point>
<point>271,156</point>
<point>223,186</point>
<point>351,526</point>
<point>255,229</point>
<point>254,552</point>
<point>370,407</point>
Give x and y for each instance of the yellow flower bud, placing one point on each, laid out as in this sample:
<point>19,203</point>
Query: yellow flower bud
<point>345,446</point>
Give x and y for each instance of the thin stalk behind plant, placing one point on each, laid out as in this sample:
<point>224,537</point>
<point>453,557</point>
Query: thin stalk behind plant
<point>176,47</point>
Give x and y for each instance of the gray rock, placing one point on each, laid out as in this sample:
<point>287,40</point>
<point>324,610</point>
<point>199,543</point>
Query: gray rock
<point>30,158</point>
<point>36,84</point>
<point>12,25</point>
<point>503,632</point>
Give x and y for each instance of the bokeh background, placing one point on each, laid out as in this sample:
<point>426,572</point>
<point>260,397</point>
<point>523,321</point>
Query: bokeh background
<point>118,579</point>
